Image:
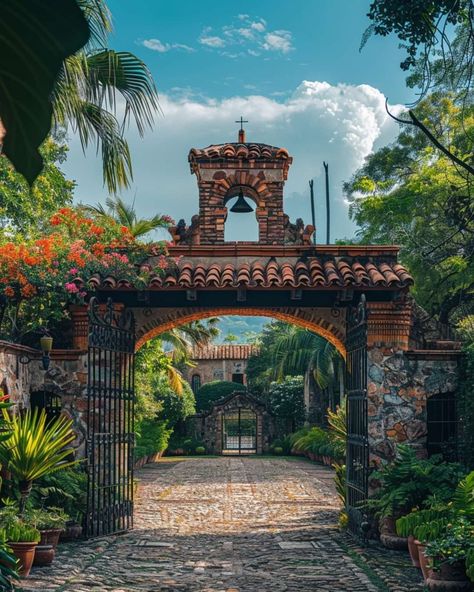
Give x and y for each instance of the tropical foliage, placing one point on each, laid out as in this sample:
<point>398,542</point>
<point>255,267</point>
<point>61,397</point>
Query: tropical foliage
<point>99,90</point>
<point>35,448</point>
<point>409,482</point>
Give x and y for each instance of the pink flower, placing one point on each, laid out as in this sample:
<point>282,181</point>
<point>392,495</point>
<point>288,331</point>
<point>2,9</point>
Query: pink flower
<point>73,271</point>
<point>56,263</point>
<point>162,262</point>
<point>71,288</point>
<point>82,294</point>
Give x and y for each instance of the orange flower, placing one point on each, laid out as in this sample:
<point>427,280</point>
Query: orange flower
<point>28,290</point>
<point>9,291</point>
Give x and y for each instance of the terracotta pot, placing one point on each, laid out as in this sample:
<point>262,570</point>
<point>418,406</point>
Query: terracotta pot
<point>413,550</point>
<point>50,536</point>
<point>44,555</point>
<point>25,553</point>
<point>449,578</point>
<point>388,534</point>
<point>71,532</point>
<point>423,560</point>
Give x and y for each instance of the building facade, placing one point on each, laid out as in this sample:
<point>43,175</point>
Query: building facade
<point>219,362</point>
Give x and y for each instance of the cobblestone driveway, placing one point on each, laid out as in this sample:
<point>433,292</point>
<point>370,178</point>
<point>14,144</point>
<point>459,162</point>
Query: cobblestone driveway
<point>218,524</point>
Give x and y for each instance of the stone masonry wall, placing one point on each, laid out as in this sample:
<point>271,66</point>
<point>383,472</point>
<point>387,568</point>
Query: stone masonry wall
<point>399,386</point>
<point>66,377</point>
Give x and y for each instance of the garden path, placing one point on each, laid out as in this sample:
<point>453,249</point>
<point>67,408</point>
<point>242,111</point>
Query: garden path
<point>222,525</point>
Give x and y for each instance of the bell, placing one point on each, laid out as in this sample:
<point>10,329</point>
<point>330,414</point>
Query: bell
<point>241,206</point>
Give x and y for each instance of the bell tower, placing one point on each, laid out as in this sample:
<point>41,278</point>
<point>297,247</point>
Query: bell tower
<point>255,172</point>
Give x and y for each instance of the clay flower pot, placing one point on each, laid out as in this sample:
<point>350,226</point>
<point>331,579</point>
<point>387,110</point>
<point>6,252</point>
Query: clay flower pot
<point>413,550</point>
<point>50,536</point>
<point>388,534</point>
<point>423,560</point>
<point>25,553</point>
<point>44,555</point>
<point>450,577</point>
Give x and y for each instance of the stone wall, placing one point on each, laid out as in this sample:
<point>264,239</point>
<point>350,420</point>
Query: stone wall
<point>21,374</point>
<point>399,386</point>
<point>207,427</point>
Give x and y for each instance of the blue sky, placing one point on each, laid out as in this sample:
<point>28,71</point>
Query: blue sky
<point>323,44</point>
<point>293,69</point>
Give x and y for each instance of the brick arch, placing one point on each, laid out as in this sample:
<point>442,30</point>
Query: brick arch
<point>305,318</point>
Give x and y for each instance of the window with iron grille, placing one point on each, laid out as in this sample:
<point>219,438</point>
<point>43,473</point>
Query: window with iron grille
<point>442,425</point>
<point>50,402</point>
<point>195,383</point>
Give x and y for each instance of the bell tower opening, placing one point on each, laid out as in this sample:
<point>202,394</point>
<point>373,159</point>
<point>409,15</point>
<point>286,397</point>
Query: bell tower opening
<point>240,196</point>
<point>241,222</point>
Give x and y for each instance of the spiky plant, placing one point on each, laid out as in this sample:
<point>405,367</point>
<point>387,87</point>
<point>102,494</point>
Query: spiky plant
<point>35,448</point>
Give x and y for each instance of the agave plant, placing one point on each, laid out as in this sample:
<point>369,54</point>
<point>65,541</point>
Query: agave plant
<point>35,448</point>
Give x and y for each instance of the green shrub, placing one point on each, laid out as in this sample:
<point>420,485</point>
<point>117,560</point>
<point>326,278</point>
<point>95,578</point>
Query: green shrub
<point>278,450</point>
<point>183,444</point>
<point>211,392</point>
<point>200,450</point>
<point>286,400</point>
<point>152,437</point>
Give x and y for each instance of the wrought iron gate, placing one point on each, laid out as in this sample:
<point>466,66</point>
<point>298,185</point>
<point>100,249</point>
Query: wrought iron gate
<point>110,438</point>
<point>239,431</point>
<point>357,458</point>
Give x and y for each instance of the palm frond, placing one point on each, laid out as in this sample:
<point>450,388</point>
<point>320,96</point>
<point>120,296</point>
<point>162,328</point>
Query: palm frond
<point>112,73</point>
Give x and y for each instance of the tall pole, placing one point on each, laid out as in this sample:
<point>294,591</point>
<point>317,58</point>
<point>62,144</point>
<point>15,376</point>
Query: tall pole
<point>328,211</point>
<point>313,215</point>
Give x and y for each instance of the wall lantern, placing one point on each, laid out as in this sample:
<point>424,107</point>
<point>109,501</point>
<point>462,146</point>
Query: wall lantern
<point>46,345</point>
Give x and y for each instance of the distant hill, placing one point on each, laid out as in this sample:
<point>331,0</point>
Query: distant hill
<point>242,327</point>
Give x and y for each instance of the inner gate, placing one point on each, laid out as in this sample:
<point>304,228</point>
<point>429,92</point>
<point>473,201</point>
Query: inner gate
<point>353,295</point>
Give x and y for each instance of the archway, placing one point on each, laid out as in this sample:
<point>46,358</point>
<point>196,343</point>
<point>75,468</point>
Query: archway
<point>321,326</point>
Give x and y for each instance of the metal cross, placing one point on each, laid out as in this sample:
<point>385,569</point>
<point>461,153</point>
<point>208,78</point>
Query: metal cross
<point>241,121</point>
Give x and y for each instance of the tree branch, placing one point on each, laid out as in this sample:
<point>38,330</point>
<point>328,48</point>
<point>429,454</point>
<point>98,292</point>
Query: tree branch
<point>417,123</point>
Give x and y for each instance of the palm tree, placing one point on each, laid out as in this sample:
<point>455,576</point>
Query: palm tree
<point>89,88</point>
<point>297,350</point>
<point>125,215</point>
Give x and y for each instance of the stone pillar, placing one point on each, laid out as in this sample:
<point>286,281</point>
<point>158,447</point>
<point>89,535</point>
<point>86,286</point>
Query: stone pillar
<point>400,381</point>
<point>389,411</point>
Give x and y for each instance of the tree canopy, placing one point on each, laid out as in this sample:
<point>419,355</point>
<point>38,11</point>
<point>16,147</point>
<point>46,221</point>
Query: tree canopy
<point>414,196</point>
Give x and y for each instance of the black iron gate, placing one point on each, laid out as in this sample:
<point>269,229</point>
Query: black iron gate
<point>357,458</point>
<point>110,437</point>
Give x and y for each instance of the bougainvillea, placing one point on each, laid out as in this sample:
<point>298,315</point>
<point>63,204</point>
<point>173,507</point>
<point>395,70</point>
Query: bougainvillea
<point>40,277</point>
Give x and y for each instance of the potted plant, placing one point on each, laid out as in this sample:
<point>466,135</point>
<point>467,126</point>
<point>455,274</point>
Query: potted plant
<point>406,483</point>
<point>23,538</point>
<point>407,525</point>
<point>50,522</point>
<point>447,557</point>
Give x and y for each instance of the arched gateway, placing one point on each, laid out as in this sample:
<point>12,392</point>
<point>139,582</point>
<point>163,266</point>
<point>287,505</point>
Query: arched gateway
<point>355,296</point>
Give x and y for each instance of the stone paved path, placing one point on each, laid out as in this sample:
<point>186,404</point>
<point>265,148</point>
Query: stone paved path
<point>218,525</point>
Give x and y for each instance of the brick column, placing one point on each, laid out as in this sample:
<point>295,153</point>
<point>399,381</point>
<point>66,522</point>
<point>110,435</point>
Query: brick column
<point>80,326</point>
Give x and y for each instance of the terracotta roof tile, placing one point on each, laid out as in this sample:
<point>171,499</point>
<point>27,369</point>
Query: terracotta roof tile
<point>235,150</point>
<point>225,351</point>
<point>311,272</point>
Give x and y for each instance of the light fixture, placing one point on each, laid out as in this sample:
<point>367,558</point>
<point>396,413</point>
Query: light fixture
<point>241,206</point>
<point>46,345</point>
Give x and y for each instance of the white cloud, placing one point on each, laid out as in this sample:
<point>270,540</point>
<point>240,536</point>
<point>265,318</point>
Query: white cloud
<point>249,32</point>
<point>278,41</point>
<point>157,45</point>
<point>211,40</point>
<point>340,124</point>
